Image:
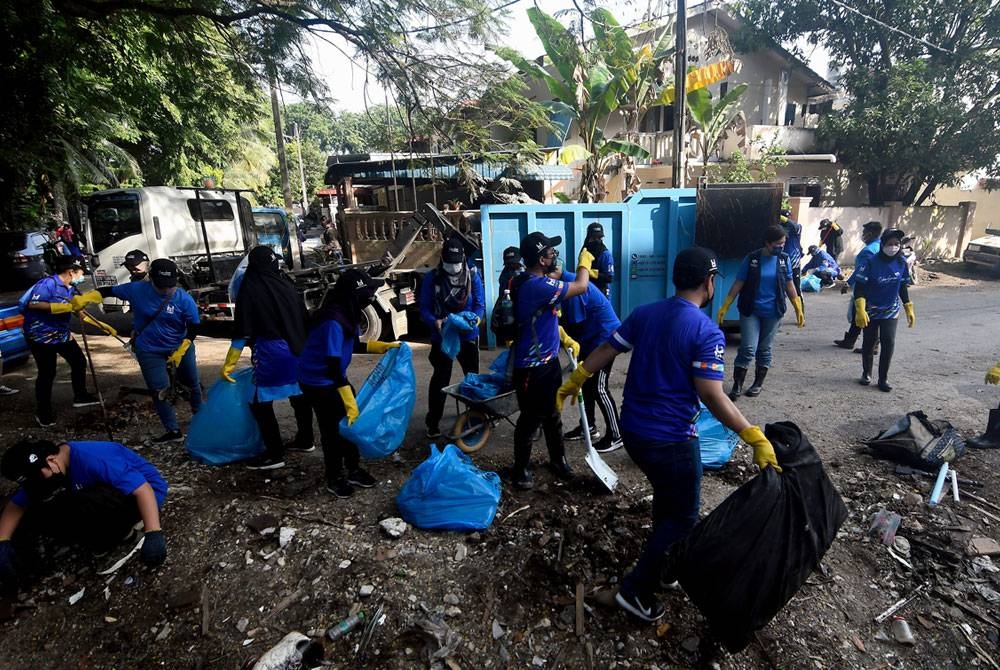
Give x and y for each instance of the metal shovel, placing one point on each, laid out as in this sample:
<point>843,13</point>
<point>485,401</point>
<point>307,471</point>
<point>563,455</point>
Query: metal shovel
<point>597,464</point>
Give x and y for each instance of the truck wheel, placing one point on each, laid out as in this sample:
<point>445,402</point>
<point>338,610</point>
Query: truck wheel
<point>371,324</point>
<point>471,431</point>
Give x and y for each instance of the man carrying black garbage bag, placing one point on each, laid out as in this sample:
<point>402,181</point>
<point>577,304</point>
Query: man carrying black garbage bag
<point>677,358</point>
<point>85,493</point>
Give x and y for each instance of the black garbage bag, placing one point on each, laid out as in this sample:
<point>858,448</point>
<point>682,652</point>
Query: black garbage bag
<point>918,441</point>
<point>745,560</point>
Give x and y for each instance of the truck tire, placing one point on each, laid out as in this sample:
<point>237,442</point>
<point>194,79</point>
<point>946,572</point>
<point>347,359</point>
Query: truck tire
<point>371,324</point>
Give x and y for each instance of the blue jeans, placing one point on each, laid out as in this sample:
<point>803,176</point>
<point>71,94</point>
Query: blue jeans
<point>154,373</point>
<point>756,336</point>
<point>674,471</point>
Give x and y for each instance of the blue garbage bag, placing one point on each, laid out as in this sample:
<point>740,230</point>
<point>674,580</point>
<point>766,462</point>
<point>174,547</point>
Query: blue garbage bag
<point>810,284</point>
<point>717,441</point>
<point>448,492</point>
<point>452,330</point>
<point>385,403</point>
<point>483,387</point>
<point>228,407</point>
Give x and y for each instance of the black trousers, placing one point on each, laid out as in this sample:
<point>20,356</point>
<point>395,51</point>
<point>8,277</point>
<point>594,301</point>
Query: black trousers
<point>339,454</point>
<point>45,361</point>
<point>596,392</point>
<point>797,280</point>
<point>536,398</point>
<point>303,420</point>
<point>884,332</point>
<point>468,358</point>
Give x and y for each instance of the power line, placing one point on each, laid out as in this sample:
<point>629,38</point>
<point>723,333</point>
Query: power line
<point>892,28</point>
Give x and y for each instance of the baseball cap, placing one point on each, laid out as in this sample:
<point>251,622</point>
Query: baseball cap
<point>163,273</point>
<point>453,251</point>
<point>534,244</point>
<point>24,461</point>
<point>694,264</point>
<point>825,223</point>
<point>813,249</point>
<point>361,284</point>
<point>511,255</point>
<point>872,225</point>
<point>595,229</point>
<point>134,257</point>
<point>64,263</point>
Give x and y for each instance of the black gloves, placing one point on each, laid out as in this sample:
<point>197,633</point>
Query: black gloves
<point>154,549</point>
<point>8,574</point>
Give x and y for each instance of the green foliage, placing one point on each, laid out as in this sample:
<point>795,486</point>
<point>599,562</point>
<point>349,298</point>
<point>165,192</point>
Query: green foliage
<point>738,170</point>
<point>713,119</point>
<point>921,111</point>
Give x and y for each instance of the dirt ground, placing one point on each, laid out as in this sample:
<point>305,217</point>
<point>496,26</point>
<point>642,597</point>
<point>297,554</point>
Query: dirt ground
<point>505,597</point>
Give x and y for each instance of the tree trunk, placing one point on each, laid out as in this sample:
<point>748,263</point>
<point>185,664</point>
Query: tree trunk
<point>286,186</point>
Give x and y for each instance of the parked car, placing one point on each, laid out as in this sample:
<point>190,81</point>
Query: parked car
<point>22,258</point>
<point>985,251</point>
<point>13,346</point>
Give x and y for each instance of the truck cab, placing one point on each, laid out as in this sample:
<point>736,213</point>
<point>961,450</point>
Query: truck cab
<point>271,225</point>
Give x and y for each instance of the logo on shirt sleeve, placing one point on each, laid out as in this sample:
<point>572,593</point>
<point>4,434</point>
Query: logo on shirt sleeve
<point>720,352</point>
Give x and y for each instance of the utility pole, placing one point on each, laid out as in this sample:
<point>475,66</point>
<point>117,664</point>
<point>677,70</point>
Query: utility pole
<point>680,79</point>
<point>302,171</point>
<point>286,187</point>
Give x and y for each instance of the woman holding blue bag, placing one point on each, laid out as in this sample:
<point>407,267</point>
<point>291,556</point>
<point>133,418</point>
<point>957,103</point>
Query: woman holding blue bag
<point>322,375</point>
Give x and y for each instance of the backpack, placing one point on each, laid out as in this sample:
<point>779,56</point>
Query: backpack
<point>503,321</point>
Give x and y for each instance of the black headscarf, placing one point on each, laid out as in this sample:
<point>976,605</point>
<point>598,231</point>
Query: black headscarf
<point>346,300</point>
<point>268,306</point>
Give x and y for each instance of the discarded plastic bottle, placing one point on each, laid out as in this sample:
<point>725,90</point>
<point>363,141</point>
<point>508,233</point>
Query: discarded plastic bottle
<point>345,626</point>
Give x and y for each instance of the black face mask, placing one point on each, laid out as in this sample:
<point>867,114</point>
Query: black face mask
<point>138,276</point>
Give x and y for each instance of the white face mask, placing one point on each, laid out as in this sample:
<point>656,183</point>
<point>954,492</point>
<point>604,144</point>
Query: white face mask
<point>891,250</point>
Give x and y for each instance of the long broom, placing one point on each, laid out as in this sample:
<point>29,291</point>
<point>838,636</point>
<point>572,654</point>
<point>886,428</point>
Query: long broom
<point>93,375</point>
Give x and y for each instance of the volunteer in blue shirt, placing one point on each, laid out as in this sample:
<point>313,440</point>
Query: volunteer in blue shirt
<point>323,363</point>
<point>870,237</point>
<point>165,325</point>
<point>822,265</point>
<point>603,272</point>
<point>880,285</point>
<point>762,282</point>
<point>590,320</point>
<point>793,247</point>
<point>677,358</point>
<point>85,493</point>
<point>537,374</point>
<point>48,306</point>
<point>452,287</point>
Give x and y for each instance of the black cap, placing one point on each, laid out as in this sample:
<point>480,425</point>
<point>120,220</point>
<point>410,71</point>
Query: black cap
<point>361,284</point>
<point>694,264</point>
<point>825,223</point>
<point>511,255</point>
<point>813,249</point>
<point>24,461</point>
<point>453,251</point>
<point>595,230</point>
<point>163,273</point>
<point>134,257</point>
<point>872,225</point>
<point>892,233</point>
<point>535,244</point>
<point>64,263</point>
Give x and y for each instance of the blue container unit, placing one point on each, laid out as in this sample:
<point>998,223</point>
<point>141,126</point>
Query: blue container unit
<point>644,234</point>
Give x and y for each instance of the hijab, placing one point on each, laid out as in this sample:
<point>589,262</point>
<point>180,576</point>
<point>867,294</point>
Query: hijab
<point>268,306</point>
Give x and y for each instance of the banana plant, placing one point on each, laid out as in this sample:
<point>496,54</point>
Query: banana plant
<point>713,119</point>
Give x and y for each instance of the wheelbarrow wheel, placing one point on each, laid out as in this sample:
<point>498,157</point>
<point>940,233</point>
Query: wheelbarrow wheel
<point>471,431</point>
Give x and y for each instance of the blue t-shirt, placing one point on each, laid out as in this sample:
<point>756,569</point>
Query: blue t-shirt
<point>535,309</point>
<point>162,334</point>
<point>45,327</point>
<point>605,266</point>
<point>822,262</point>
<point>593,311</point>
<point>793,241</point>
<point>475,302</point>
<point>672,342</point>
<point>766,300</point>
<point>881,278</point>
<point>327,340</point>
<point>870,250</point>
<point>93,463</point>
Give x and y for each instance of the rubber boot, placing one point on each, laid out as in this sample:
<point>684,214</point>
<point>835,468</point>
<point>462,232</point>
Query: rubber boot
<point>758,382</point>
<point>739,376</point>
<point>866,369</point>
<point>850,337</point>
<point>991,438</point>
<point>883,373</point>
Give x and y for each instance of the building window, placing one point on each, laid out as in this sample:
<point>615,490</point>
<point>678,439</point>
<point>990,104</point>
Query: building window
<point>658,119</point>
<point>723,89</point>
<point>814,191</point>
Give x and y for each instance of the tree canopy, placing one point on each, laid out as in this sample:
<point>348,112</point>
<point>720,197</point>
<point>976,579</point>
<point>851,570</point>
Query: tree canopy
<point>923,79</point>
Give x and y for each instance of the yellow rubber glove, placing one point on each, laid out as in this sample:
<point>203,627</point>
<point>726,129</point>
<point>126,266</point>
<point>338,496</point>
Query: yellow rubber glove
<point>377,347</point>
<point>586,260</point>
<point>594,274</point>
<point>726,304</point>
<point>911,316</point>
<point>89,298</point>
<point>993,374</point>
<point>175,358</point>
<point>861,319</point>
<point>800,312</point>
<point>763,452</point>
<point>100,325</point>
<point>60,307</point>
<point>350,404</point>
<point>571,389</point>
<point>232,358</point>
<point>568,342</point>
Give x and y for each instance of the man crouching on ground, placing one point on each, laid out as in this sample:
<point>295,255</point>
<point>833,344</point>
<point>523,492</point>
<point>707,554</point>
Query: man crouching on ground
<point>86,493</point>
